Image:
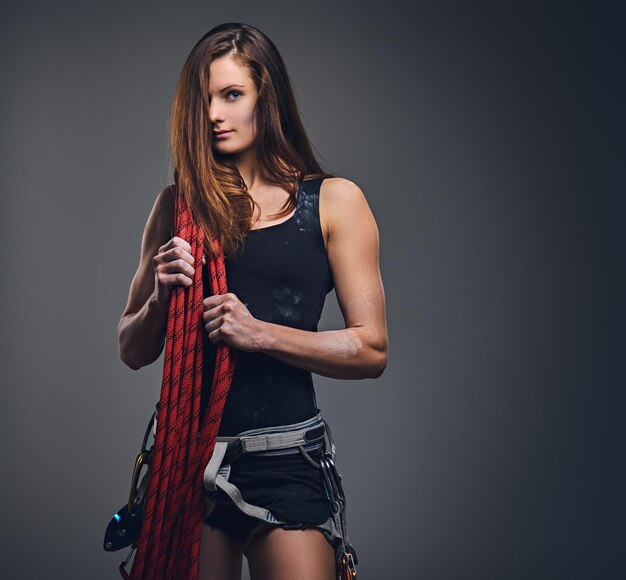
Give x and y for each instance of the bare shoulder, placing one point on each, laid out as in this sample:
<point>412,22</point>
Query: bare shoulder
<point>160,224</point>
<point>340,189</point>
<point>164,204</point>
<point>342,203</point>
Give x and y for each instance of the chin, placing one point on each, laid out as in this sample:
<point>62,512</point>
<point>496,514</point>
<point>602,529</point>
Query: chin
<point>233,150</point>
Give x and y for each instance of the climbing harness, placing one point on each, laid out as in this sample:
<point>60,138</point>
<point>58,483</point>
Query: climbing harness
<point>305,437</point>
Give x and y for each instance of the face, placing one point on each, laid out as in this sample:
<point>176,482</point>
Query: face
<point>232,96</point>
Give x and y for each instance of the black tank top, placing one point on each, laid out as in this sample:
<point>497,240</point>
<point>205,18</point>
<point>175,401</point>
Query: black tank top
<point>282,275</point>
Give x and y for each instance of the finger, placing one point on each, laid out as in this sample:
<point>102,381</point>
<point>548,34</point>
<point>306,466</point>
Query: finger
<point>212,324</point>
<point>176,241</point>
<point>179,265</point>
<point>178,253</point>
<point>215,336</point>
<point>174,279</point>
<point>213,301</point>
<point>230,302</point>
<point>212,313</point>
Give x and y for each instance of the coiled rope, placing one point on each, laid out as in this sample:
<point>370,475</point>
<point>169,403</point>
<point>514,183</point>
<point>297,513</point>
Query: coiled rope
<point>169,543</point>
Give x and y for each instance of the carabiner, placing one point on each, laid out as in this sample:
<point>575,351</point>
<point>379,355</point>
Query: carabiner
<point>337,499</point>
<point>142,459</point>
<point>348,568</point>
<point>331,489</point>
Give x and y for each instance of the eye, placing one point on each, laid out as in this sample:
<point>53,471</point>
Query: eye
<point>232,92</point>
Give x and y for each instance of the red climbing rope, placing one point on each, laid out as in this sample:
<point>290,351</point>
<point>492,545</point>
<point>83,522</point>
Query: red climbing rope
<point>169,543</point>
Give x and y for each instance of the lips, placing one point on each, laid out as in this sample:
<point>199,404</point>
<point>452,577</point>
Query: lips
<point>220,132</point>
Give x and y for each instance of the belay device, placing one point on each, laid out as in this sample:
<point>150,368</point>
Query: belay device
<point>125,526</point>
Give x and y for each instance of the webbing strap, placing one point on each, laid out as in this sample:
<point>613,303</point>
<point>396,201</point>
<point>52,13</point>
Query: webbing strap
<point>267,443</point>
<point>282,437</point>
<point>214,480</point>
<point>210,472</point>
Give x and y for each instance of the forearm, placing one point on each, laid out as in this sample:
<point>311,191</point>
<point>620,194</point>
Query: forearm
<point>349,353</point>
<point>141,335</point>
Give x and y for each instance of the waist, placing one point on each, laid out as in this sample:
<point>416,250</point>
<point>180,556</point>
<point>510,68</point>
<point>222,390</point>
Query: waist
<point>277,440</point>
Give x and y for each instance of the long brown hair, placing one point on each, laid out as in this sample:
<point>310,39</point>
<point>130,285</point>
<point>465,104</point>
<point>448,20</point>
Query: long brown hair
<point>214,190</point>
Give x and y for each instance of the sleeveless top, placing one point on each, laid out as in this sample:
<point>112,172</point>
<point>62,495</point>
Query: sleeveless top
<point>282,275</point>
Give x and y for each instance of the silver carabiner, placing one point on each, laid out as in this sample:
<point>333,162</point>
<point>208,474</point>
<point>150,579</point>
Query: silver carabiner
<point>335,498</point>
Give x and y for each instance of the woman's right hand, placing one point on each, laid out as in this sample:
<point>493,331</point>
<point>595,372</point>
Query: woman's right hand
<point>173,266</point>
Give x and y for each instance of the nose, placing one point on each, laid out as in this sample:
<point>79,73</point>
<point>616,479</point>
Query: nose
<point>215,113</point>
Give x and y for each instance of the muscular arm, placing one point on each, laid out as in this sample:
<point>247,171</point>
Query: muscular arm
<point>142,327</point>
<point>360,349</point>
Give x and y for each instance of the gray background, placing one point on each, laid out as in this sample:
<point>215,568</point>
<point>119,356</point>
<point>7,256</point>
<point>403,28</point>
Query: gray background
<point>483,136</point>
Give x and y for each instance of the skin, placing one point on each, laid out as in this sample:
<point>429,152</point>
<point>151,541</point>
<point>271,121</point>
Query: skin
<point>357,351</point>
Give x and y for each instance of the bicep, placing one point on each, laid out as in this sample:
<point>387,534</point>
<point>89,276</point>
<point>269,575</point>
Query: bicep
<point>157,232</point>
<point>353,253</point>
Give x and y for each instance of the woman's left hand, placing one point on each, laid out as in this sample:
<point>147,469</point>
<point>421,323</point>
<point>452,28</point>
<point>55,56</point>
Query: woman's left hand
<point>227,318</point>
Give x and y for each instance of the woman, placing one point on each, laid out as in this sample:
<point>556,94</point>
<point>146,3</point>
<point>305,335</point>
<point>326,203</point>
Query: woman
<point>289,233</point>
